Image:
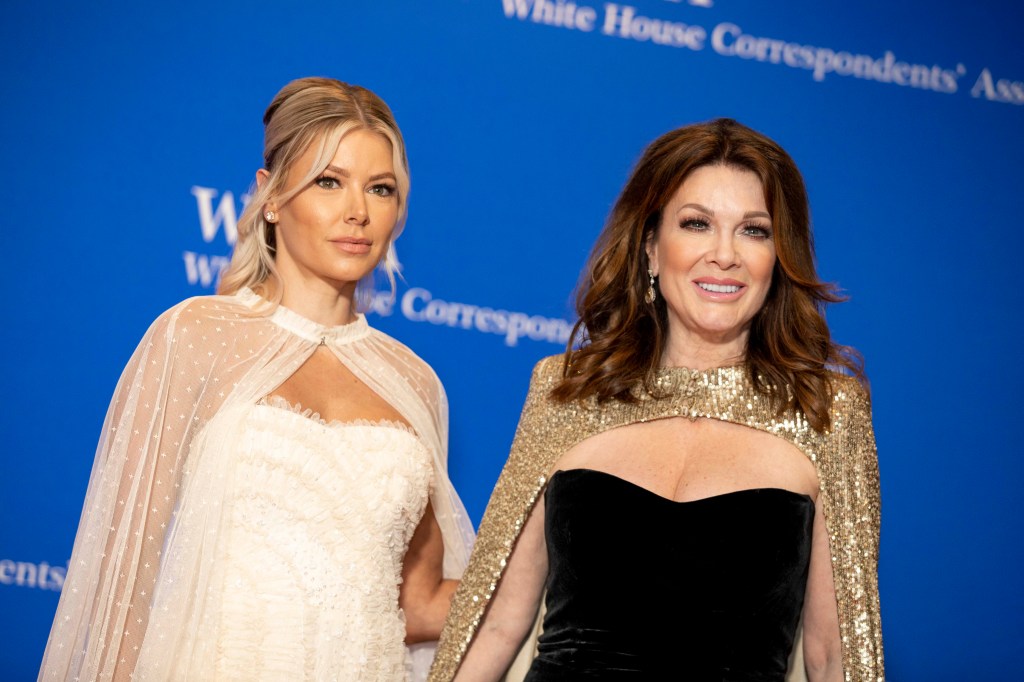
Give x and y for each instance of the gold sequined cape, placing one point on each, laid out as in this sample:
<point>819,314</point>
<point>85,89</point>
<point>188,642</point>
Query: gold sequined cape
<point>844,457</point>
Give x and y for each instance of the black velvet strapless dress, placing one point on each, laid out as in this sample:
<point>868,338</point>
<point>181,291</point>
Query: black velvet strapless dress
<point>641,587</point>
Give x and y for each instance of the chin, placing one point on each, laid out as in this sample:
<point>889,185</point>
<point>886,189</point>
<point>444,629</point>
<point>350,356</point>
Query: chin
<point>347,276</point>
<point>727,332</point>
<point>716,326</point>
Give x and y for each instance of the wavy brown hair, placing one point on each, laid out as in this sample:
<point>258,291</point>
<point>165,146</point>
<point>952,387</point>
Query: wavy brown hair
<point>619,339</point>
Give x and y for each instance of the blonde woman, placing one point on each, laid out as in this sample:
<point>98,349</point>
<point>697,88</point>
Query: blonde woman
<point>269,498</point>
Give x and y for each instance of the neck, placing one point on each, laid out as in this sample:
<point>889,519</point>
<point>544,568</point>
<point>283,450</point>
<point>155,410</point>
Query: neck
<point>317,300</point>
<point>704,352</point>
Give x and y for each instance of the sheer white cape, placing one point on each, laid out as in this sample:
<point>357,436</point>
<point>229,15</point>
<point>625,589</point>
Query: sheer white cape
<point>137,565</point>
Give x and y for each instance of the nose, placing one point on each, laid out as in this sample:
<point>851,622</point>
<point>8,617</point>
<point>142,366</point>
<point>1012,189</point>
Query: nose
<point>355,210</point>
<point>723,252</point>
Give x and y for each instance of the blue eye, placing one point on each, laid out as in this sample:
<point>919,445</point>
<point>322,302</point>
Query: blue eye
<point>757,231</point>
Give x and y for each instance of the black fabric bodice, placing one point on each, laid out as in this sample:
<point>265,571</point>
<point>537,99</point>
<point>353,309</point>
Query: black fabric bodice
<point>641,587</point>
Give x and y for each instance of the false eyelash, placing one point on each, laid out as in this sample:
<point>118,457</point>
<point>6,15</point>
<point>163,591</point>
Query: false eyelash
<point>695,222</point>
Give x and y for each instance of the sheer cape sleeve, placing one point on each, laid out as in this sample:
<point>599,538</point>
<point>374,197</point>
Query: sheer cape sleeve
<point>160,402</point>
<point>142,555</point>
<point>412,387</point>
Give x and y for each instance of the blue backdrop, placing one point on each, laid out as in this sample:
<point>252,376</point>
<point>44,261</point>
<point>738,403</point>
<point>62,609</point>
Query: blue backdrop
<point>133,132</point>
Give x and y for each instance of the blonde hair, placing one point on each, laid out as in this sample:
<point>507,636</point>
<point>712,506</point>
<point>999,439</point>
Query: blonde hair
<point>305,112</point>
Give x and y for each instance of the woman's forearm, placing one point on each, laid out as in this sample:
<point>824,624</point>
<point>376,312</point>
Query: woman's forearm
<point>425,613</point>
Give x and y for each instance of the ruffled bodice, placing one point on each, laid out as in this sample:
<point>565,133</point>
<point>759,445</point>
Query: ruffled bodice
<point>318,518</point>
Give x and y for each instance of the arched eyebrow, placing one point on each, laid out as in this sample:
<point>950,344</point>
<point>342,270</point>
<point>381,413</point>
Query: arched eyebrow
<point>746,216</point>
<point>379,176</point>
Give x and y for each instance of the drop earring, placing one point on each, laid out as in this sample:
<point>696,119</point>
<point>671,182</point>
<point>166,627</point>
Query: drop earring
<point>652,293</point>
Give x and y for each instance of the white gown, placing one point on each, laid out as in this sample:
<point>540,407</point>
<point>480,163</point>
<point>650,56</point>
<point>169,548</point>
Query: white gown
<point>227,536</point>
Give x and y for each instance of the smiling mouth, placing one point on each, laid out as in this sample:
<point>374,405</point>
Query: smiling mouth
<point>719,288</point>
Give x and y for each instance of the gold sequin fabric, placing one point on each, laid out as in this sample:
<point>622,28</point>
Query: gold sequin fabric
<point>844,456</point>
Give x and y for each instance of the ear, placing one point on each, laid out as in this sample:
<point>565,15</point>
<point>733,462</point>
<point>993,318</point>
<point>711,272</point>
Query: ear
<point>651,247</point>
<point>262,175</point>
